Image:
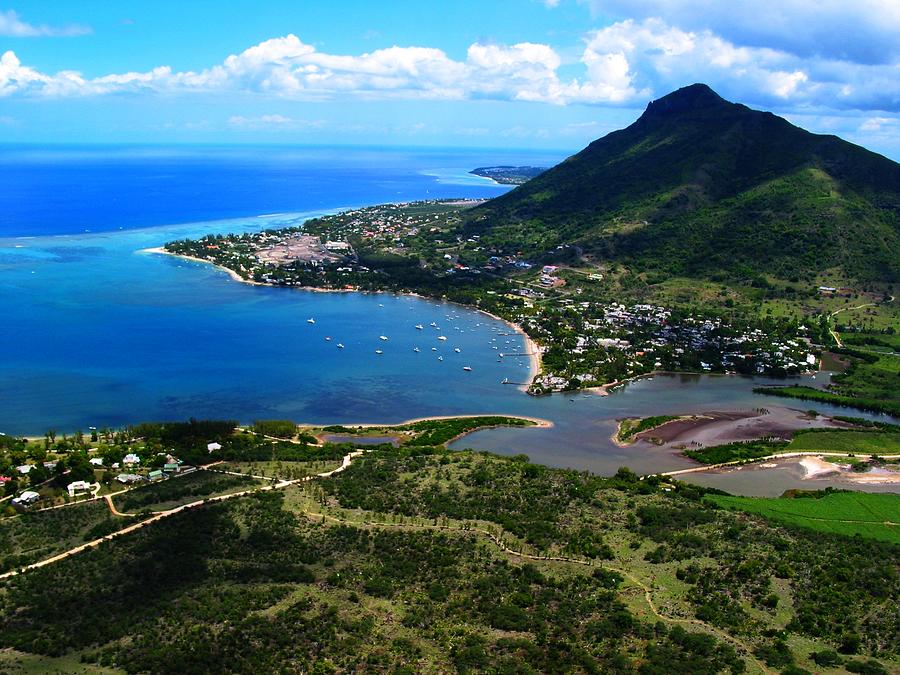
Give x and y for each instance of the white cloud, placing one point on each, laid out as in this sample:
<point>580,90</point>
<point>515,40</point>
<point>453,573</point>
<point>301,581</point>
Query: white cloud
<point>12,26</point>
<point>863,31</point>
<point>623,64</point>
<point>638,59</point>
<point>272,121</point>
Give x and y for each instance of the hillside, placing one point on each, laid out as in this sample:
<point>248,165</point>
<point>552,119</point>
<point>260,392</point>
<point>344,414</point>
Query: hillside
<point>702,187</point>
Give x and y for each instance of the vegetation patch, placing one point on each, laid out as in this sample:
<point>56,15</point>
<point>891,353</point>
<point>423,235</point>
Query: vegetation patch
<point>631,427</point>
<point>872,516</point>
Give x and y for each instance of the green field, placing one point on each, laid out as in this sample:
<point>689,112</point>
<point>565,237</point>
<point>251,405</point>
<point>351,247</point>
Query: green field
<point>858,442</point>
<point>874,516</point>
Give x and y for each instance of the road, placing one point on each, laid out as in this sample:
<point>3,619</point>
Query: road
<point>345,463</point>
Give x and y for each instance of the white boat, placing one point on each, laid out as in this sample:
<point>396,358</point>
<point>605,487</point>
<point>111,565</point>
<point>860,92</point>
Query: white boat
<point>433,324</point>
<point>378,351</point>
<point>442,337</point>
<point>382,337</point>
<point>310,320</point>
<point>419,326</point>
<point>415,349</point>
<point>434,349</point>
<point>327,338</point>
<point>440,358</point>
<point>467,368</point>
<point>457,350</point>
<point>340,346</point>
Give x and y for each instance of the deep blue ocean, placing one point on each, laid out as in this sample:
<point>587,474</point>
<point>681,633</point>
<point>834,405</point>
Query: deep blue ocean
<point>96,332</point>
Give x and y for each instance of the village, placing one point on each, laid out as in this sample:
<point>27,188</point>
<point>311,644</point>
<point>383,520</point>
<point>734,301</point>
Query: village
<point>586,337</point>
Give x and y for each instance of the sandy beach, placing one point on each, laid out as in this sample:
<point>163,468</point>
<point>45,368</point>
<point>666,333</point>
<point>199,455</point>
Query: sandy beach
<point>234,275</point>
<point>535,365</point>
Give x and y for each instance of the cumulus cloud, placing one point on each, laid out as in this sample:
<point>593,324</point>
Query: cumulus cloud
<point>863,31</point>
<point>13,26</point>
<point>624,64</point>
<point>650,57</point>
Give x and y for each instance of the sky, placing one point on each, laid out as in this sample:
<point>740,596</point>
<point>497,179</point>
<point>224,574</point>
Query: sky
<point>543,74</point>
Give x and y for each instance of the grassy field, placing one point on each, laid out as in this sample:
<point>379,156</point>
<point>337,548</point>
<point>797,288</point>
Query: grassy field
<point>848,513</point>
<point>176,491</point>
<point>858,442</point>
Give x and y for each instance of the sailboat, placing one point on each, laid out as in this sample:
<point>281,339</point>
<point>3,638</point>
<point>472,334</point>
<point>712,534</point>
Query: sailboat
<point>415,349</point>
<point>440,358</point>
<point>340,346</point>
<point>310,320</point>
<point>420,326</point>
<point>457,350</point>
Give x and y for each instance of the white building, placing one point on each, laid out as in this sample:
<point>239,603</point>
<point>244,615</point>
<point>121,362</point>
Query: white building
<point>78,487</point>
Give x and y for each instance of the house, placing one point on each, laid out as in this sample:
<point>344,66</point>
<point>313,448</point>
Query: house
<point>96,461</point>
<point>24,469</point>
<point>156,474</point>
<point>78,487</point>
<point>131,459</point>
<point>26,498</point>
<point>172,467</point>
<point>128,478</point>
<point>212,447</point>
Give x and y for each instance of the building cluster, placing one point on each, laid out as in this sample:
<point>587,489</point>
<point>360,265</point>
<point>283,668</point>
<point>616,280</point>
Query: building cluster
<point>591,343</point>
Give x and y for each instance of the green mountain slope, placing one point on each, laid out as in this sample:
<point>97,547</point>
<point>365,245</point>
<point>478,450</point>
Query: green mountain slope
<point>699,186</point>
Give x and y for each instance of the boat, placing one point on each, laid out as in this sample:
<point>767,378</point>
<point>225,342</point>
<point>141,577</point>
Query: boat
<point>457,350</point>
<point>442,337</point>
<point>434,349</point>
<point>382,337</point>
<point>415,349</point>
<point>505,380</point>
<point>327,338</point>
<point>467,368</point>
<point>433,324</point>
<point>378,351</point>
<point>340,346</point>
<point>440,358</point>
<point>310,320</point>
<point>419,326</point>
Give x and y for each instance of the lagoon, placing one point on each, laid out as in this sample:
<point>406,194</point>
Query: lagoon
<point>97,333</point>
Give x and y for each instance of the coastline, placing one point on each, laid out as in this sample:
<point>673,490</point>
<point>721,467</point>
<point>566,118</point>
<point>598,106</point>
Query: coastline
<point>234,275</point>
<point>531,348</point>
<point>535,362</point>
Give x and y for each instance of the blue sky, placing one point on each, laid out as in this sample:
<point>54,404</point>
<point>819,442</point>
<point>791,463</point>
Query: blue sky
<point>508,73</point>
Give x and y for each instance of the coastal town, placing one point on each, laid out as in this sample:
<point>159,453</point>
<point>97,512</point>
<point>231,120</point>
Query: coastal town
<point>582,335</point>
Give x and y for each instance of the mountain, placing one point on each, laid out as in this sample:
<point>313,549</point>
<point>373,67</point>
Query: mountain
<point>699,186</point>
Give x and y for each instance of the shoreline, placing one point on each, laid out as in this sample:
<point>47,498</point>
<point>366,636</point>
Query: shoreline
<point>532,350</point>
